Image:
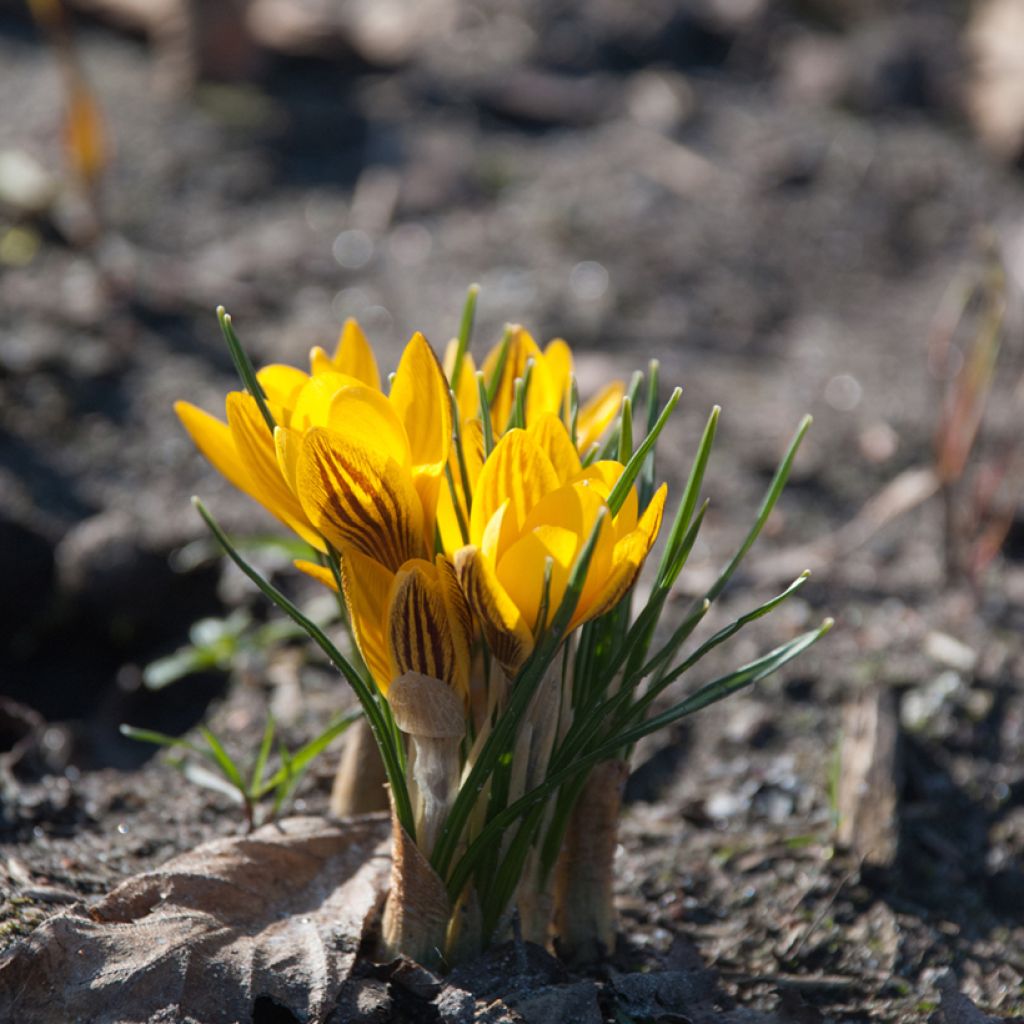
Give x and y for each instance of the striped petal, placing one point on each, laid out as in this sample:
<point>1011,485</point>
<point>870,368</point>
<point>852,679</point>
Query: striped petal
<point>357,497</point>
<point>518,472</point>
<point>460,621</point>
<point>418,630</point>
<point>508,636</point>
<point>542,395</point>
<point>367,418</point>
<point>552,436</point>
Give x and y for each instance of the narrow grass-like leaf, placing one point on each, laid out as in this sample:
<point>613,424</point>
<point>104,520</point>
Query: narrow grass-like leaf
<point>726,633</point>
<point>768,503</point>
<point>261,757</point>
<point>647,474</point>
<point>284,784</point>
<point>200,775</point>
<point>291,773</point>
<point>161,739</point>
<point>633,467</point>
<point>244,366</point>
<point>383,734</point>
<point>485,414</point>
<point>709,694</point>
<point>574,410</point>
<point>460,451</point>
<point>183,662</point>
<point>670,564</point>
<point>545,597</point>
<point>499,366</point>
<point>460,517</point>
<point>224,760</point>
<point>517,417</point>
<point>505,729</point>
<point>465,330</point>
<point>626,431</point>
<point>725,685</point>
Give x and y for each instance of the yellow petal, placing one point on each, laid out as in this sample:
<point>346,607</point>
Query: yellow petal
<point>499,534</point>
<point>313,404</point>
<point>466,395</point>
<point>596,414</point>
<point>447,517</point>
<point>418,630</point>
<point>521,350</point>
<point>518,472</point>
<point>357,497</point>
<point>321,573</point>
<point>367,586</point>
<point>460,621</point>
<point>552,436</point>
<point>558,357</point>
<point>420,397</point>
<point>213,438</point>
<point>320,361</point>
<point>602,477</point>
<point>367,418</point>
<point>521,569</point>
<point>428,490</point>
<point>288,446</point>
<point>473,456</point>
<point>354,356</point>
<point>505,630</point>
<point>282,384</point>
<point>256,448</point>
<point>628,558</point>
<point>574,506</point>
<point>473,449</point>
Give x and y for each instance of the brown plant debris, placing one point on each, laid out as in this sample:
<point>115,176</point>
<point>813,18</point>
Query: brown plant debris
<point>274,918</point>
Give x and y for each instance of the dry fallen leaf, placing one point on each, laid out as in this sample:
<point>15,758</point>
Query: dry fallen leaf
<point>275,918</point>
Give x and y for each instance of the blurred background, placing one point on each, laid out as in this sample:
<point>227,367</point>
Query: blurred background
<point>771,198</point>
<point>803,206</point>
<point>777,200</point>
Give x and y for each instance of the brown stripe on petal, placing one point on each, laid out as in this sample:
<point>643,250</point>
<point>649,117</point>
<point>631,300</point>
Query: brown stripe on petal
<point>349,518</point>
<point>418,634</point>
<point>359,497</point>
<point>509,645</point>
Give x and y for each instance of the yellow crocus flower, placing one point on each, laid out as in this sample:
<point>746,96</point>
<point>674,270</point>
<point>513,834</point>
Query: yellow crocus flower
<point>412,620</point>
<point>533,503</point>
<point>242,449</point>
<point>340,397</point>
<point>366,468</point>
<point>548,391</point>
<point>353,357</point>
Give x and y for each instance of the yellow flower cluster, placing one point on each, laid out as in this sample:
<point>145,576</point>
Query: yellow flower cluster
<point>438,541</point>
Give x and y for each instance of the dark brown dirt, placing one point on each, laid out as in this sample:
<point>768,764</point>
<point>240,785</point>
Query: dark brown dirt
<point>652,185</point>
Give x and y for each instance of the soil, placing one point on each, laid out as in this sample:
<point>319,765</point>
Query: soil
<point>678,184</point>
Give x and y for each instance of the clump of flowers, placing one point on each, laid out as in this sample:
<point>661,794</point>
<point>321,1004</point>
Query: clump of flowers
<point>484,529</point>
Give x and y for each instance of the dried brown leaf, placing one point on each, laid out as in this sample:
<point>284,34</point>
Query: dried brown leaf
<point>275,916</point>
